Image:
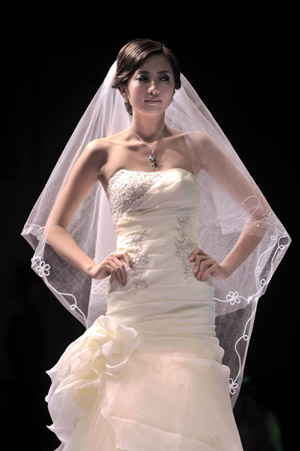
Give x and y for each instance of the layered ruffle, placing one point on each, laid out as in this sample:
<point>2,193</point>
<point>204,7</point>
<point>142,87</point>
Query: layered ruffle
<point>77,378</point>
<point>113,390</point>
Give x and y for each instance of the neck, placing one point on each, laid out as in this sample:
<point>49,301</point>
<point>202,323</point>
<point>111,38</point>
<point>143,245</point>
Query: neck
<point>149,128</point>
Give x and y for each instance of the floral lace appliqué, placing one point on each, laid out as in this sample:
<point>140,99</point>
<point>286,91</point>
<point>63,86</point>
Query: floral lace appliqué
<point>140,261</point>
<point>41,267</point>
<point>184,245</point>
<point>125,187</point>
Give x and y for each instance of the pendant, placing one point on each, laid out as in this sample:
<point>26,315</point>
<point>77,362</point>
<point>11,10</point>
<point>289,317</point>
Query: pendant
<point>152,158</point>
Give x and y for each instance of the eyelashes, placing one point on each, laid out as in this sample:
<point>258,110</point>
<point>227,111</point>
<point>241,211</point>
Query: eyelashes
<point>144,78</point>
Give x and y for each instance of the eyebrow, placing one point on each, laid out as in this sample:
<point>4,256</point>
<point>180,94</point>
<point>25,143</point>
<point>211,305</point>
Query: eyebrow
<point>159,72</point>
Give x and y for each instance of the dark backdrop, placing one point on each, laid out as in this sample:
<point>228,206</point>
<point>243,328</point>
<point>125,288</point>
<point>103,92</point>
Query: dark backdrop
<point>243,71</point>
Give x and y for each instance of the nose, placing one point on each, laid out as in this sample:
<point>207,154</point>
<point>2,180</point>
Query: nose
<point>153,88</point>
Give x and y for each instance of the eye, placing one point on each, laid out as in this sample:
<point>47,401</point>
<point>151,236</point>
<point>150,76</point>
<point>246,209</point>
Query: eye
<point>165,77</point>
<point>142,78</point>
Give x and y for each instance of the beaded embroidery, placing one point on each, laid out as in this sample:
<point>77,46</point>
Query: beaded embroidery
<point>124,188</point>
<point>184,245</point>
<point>140,261</point>
<point>124,191</point>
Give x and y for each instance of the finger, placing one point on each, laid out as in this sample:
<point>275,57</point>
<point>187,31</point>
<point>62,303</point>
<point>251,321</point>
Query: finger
<point>203,267</point>
<point>123,274</point>
<point>208,271</point>
<point>128,259</point>
<point>114,269</point>
<point>196,252</point>
<point>198,261</point>
<point>118,274</point>
<point>193,254</point>
<point>121,271</point>
<point>110,270</point>
<point>116,255</point>
<point>123,256</point>
<point>111,267</point>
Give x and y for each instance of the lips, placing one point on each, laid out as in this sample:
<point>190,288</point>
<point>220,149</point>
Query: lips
<point>153,100</point>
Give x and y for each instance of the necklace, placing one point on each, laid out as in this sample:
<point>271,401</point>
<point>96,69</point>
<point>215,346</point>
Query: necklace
<point>152,156</point>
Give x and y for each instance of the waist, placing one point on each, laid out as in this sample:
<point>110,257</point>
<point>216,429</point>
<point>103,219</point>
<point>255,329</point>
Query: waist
<point>156,235</point>
<point>156,219</point>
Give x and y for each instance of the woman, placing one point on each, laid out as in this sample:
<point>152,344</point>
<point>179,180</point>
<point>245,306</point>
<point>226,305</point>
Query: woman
<point>150,373</point>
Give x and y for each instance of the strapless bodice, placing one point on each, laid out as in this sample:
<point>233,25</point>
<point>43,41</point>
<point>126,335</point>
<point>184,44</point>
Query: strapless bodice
<point>155,218</point>
<point>141,195</point>
<point>155,213</point>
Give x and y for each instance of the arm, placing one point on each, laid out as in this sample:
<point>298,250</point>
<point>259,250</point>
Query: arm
<point>82,178</point>
<point>84,175</point>
<point>221,168</point>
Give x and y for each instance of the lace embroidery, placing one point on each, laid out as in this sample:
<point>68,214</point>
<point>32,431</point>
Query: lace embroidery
<point>43,270</point>
<point>279,243</point>
<point>124,191</point>
<point>140,261</point>
<point>184,245</point>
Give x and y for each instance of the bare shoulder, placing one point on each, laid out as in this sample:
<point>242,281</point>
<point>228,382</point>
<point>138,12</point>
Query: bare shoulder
<point>117,138</point>
<point>97,146</point>
<point>96,152</point>
<point>201,143</point>
<point>198,137</point>
<point>102,145</point>
<point>100,152</point>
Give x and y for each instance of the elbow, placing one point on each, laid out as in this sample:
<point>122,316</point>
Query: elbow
<point>52,232</point>
<point>49,233</point>
<point>257,225</point>
<point>260,214</point>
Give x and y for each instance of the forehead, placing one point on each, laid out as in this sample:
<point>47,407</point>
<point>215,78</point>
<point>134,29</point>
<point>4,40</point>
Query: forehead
<point>155,63</point>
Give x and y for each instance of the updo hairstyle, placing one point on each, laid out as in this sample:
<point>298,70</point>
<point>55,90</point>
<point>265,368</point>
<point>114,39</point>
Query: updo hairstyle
<point>134,54</point>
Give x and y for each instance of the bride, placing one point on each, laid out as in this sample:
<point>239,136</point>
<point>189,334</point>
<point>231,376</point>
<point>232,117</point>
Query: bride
<point>149,92</point>
<point>150,372</point>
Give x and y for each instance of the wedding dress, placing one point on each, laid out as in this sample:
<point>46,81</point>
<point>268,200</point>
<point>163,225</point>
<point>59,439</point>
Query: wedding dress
<point>148,375</point>
<point>225,210</point>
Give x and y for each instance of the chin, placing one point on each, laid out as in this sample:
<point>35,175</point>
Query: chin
<point>154,110</point>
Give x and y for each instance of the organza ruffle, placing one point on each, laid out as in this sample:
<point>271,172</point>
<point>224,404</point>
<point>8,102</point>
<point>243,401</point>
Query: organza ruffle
<point>103,349</point>
<point>113,391</point>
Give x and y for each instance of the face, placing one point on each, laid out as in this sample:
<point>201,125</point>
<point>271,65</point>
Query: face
<point>151,88</point>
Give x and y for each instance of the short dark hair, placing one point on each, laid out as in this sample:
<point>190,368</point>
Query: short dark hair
<point>133,55</point>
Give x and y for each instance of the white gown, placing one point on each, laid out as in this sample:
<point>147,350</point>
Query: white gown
<point>148,375</point>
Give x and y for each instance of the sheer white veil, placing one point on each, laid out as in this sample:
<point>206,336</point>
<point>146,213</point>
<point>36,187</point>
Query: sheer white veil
<point>221,220</point>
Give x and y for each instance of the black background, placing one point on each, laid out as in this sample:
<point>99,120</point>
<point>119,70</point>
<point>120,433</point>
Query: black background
<point>242,65</point>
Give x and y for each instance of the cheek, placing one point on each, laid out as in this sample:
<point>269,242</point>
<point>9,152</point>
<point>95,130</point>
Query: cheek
<point>135,92</point>
<point>167,88</point>
<point>168,93</point>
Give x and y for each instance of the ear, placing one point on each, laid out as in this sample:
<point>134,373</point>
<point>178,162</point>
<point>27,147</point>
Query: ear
<point>124,92</point>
